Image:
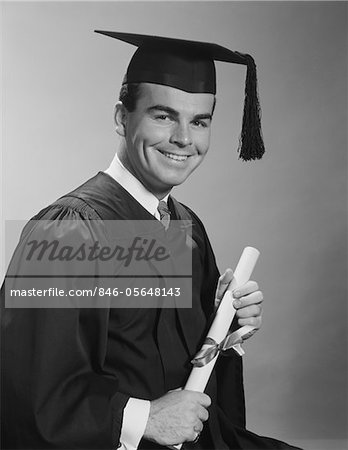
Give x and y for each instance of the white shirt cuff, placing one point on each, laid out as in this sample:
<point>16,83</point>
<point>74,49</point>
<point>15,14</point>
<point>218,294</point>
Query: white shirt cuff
<point>135,416</point>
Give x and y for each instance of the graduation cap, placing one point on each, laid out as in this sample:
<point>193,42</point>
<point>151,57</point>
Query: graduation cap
<point>189,66</point>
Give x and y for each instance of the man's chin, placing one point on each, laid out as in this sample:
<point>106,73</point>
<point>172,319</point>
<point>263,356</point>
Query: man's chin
<point>175,181</point>
<point>166,186</point>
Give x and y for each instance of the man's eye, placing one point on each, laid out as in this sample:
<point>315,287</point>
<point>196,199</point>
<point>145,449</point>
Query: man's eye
<point>162,117</point>
<point>200,123</point>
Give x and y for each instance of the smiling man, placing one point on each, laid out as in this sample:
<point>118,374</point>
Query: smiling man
<point>165,137</point>
<point>102,378</point>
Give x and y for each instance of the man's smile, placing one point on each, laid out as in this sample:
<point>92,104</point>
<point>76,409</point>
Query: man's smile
<point>174,156</point>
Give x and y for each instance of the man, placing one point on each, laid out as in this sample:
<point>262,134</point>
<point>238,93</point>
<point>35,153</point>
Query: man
<point>111,377</point>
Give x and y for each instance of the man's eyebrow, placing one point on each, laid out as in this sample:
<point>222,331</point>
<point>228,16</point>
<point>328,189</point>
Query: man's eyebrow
<point>203,116</point>
<point>164,108</point>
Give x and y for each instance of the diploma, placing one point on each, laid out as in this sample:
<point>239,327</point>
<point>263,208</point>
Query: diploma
<point>216,340</point>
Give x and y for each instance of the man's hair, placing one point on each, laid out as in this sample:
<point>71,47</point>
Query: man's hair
<point>129,95</point>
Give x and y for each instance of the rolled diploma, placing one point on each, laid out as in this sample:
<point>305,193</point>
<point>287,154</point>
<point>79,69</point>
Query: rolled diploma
<point>199,376</point>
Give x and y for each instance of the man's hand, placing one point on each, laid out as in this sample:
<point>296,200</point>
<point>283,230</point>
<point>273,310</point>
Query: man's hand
<point>177,417</point>
<point>247,300</point>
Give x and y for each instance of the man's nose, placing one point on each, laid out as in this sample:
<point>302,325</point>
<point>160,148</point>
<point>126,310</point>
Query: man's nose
<point>181,135</point>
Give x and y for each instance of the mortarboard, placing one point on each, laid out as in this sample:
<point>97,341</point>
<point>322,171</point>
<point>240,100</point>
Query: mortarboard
<point>189,66</point>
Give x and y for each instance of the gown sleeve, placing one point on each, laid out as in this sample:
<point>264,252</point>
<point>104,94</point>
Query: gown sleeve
<point>55,392</point>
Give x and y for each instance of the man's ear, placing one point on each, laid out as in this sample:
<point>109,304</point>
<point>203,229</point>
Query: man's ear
<point>120,118</point>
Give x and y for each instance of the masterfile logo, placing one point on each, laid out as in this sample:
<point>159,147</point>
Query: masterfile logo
<point>92,263</point>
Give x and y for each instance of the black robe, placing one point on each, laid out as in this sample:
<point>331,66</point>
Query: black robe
<point>67,373</point>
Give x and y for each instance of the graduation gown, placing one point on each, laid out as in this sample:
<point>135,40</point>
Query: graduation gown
<point>67,373</point>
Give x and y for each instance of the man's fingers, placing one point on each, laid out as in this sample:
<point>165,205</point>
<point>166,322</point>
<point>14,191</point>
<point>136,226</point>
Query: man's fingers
<point>252,321</point>
<point>196,429</point>
<point>247,288</point>
<point>203,399</point>
<point>251,299</point>
<point>223,283</point>
<point>249,311</point>
<point>203,414</point>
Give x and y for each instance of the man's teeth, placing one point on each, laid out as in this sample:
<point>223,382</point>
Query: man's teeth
<point>176,157</point>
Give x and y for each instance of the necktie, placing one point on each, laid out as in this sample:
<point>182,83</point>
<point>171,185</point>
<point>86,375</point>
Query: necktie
<point>164,214</point>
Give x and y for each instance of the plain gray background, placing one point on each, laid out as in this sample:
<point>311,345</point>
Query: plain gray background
<point>60,82</point>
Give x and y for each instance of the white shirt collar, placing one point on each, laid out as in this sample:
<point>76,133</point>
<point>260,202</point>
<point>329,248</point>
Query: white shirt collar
<point>133,186</point>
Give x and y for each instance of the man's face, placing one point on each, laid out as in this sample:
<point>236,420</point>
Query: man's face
<point>167,136</point>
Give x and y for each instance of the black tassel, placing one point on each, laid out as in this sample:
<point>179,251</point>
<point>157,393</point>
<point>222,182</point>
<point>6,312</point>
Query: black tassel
<point>251,144</point>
